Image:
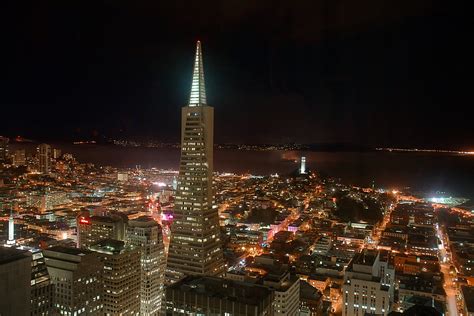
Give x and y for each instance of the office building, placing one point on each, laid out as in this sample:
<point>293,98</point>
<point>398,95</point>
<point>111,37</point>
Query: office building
<point>145,234</point>
<point>15,281</point>
<point>92,229</point>
<point>368,284</point>
<point>41,286</point>
<point>311,303</point>
<point>195,246</point>
<point>44,158</point>
<point>286,289</point>
<point>56,153</point>
<point>204,295</point>
<point>76,275</point>
<point>270,273</point>
<point>121,277</point>
<point>19,158</point>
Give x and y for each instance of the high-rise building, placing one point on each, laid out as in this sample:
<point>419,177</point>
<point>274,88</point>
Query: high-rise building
<point>287,292</point>
<point>121,277</point>
<point>19,158</point>
<point>15,281</point>
<point>201,295</point>
<point>41,286</point>
<point>76,275</point>
<point>44,156</point>
<point>92,229</point>
<point>368,285</point>
<point>56,153</point>
<point>3,149</point>
<point>145,234</point>
<point>195,246</point>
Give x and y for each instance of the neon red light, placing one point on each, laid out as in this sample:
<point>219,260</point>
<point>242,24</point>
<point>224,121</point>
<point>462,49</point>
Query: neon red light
<point>84,221</point>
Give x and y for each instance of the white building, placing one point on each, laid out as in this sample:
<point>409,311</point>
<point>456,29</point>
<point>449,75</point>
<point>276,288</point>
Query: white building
<point>146,234</point>
<point>368,285</point>
<point>286,289</point>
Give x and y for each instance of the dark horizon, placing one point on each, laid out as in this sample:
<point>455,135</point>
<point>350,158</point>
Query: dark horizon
<point>370,74</point>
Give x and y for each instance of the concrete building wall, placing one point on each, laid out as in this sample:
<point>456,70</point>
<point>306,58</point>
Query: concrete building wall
<point>15,286</point>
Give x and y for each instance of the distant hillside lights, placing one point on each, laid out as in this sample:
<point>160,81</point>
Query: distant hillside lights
<point>3,149</point>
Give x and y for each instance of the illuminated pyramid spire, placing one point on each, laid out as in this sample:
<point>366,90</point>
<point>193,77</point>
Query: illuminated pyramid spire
<point>195,246</point>
<point>198,89</point>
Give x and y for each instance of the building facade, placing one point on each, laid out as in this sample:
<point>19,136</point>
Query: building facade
<point>41,286</point>
<point>195,247</point>
<point>145,234</point>
<point>286,289</point>
<point>76,275</point>
<point>368,285</point>
<point>44,158</point>
<point>121,277</point>
<point>19,158</point>
<point>92,229</point>
<point>15,282</point>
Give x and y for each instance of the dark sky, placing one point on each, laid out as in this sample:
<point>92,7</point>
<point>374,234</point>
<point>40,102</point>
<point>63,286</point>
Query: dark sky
<point>372,72</point>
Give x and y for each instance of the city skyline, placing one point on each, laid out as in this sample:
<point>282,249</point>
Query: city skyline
<point>320,170</point>
<point>359,74</point>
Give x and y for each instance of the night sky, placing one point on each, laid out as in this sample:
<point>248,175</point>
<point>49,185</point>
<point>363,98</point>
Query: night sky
<point>371,72</point>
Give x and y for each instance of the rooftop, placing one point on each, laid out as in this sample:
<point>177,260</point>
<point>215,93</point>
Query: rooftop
<point>69,250</point>
<point>143,221</point>
<point>468,293</point>
<point>366,257</point>
<point>109,246</point>
<point>11,254</point>
<point>106,219</point>
<point>246,293</point>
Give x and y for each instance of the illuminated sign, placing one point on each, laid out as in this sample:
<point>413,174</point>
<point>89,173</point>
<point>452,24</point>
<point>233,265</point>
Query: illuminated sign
<point>84,221</point>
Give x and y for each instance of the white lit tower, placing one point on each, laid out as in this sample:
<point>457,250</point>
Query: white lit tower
<point>11,229</point>
<point>195,246</point>
<point>303,165</point>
